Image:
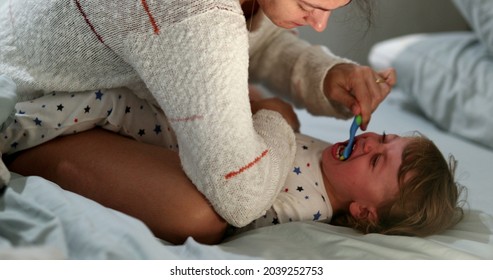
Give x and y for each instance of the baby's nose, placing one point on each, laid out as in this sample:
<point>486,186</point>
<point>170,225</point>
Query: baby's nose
<point>369,145</point>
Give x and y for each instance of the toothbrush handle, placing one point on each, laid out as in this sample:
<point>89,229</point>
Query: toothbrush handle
<point>354,126</point>
<point>352,132</point>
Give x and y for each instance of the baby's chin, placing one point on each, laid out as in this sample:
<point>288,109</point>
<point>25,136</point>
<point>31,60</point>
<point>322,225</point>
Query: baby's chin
<point>328,155</point>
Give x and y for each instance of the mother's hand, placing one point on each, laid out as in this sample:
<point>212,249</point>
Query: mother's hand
<point>359,88</point>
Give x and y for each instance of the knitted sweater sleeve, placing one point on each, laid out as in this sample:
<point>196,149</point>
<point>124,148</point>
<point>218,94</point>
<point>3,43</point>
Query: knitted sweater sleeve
<point>293,68</point>
<point>197,70</point>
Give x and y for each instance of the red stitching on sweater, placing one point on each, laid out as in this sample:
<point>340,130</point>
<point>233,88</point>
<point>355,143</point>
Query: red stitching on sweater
<point>251,164</point>
<point>151,18</point>
<point>187,119</point>
<point>84,15</point>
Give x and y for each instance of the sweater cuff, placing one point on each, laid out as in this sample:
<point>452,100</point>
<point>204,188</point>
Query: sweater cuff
<point>281,141</point>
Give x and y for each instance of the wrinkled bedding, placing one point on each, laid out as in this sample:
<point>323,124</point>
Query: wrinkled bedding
<point>40,220</point>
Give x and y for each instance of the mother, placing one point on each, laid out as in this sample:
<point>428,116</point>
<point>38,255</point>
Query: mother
<point>194,59</point>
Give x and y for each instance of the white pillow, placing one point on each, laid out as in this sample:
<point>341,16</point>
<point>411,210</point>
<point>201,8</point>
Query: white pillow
<point>479,15</point>
<point>450,77</point>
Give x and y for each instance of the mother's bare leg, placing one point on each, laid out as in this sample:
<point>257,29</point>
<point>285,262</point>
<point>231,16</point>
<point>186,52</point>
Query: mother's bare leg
<point>142,180</point>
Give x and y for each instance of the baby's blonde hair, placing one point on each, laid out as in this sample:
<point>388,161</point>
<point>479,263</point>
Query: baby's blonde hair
<point>428,201</point>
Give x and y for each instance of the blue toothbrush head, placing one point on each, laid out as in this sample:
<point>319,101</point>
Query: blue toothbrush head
<point>352,132</point>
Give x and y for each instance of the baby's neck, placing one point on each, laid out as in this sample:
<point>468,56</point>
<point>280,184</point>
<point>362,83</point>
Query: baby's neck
<point>338,204</point>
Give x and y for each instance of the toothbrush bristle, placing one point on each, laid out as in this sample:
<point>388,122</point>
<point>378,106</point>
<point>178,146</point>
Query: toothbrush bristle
<point>358,120</point>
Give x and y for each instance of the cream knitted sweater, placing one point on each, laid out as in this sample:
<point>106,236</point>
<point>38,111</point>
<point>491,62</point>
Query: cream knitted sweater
<point>194,58</point>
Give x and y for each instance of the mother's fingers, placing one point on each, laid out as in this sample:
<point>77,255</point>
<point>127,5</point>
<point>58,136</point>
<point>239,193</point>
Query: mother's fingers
<point>359,88</point>
<point>389,75</point>
<point>342,97</point>
<point>369,93</point>
<point>379,89</point>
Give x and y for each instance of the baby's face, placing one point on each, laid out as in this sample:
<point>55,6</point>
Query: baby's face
<point>369,175</point>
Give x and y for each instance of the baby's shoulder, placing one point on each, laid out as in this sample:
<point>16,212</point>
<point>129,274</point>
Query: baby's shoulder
<point>306,142</point>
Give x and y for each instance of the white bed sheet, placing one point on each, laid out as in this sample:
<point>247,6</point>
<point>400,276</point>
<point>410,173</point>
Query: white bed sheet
<point>40,220</point>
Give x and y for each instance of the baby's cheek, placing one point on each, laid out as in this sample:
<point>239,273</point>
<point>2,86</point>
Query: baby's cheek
<point>353,181</point>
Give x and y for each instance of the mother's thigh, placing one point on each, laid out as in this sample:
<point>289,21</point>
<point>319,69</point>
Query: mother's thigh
<point>142,180</point>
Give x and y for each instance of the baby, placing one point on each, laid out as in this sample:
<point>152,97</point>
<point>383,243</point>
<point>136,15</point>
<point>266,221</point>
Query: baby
<point>389,185</point>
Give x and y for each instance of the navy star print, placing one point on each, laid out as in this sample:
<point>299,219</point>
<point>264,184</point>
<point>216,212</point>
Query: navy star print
<point>64,113</point>
<point>37,121</point>
<point>157,129</point>
<point>297,170</point>
<point>99,95</point>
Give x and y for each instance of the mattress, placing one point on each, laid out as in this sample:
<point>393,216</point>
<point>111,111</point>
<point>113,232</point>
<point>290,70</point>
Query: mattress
<point>40,220</point>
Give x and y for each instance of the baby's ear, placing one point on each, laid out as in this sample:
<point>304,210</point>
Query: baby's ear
<point>363,212</point>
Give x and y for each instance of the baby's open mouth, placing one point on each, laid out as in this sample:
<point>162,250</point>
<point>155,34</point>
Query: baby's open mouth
<point>341,147</point>
<point>340,150</point>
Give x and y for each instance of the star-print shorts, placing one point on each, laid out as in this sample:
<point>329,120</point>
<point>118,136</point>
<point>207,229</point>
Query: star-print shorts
<point>61,113</point>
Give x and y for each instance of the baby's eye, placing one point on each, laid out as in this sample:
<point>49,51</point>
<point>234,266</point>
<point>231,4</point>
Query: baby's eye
<point>306,8</point>
<point>383,137</point>
<point>374,159</point>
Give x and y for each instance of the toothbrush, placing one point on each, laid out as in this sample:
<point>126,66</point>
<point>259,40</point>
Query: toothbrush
<point>352,131</point>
